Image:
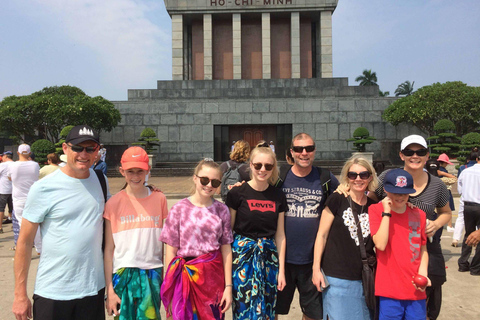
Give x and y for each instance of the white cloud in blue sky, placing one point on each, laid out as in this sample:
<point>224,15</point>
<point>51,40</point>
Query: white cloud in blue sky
<point>106,47</point>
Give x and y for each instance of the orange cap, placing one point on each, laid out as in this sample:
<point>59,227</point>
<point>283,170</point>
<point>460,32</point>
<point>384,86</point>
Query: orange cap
<point>135,157</point>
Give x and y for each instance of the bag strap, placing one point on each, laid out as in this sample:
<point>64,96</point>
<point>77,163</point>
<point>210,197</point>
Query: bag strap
<point>103,183</point>
<point>363,252</point>
<point>325,181</point>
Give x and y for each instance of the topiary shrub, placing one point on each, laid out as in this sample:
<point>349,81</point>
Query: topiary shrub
<point>63,134</point>
<point>468,142</point>
<point>148,140</point>
<point>42,148</point>
<point>361,137</point>
<point>445,140</point>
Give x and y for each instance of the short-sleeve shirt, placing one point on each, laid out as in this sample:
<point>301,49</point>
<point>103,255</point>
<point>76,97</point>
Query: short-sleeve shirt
<point>257,211</point>
<point>5,183</point>
<point>136,226</point>
<point>195,231</point>
<point>400,261</point>
<point>342,258</point>
<point>434,195</point>
<point>23,175</point>
<point>305,201</point>
<point>70,214</point>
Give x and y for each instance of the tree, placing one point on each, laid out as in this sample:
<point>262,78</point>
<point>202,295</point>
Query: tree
<point>445,139</point>
<point>451,100</point>
<point>44,113</point>
<point>368,78</point>
<point>148,140</point>
<point>383,93</point>
<point>469,141</point>
<point>361,137</point>
<point>404,89</point>
<point>42,148</point>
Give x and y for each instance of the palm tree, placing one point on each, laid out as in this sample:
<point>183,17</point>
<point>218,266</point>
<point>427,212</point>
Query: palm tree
<point>383,93</point>
<point>368,78</point>
<point>404,89</point>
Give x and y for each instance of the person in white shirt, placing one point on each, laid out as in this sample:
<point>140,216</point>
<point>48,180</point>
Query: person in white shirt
<point>23,173</point>
<point>469,188</point>
<point>5,188</point>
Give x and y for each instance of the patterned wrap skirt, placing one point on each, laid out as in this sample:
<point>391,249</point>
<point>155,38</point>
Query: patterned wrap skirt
<point>255,270</point>
<point>193,289</point>
<point>139,290</point>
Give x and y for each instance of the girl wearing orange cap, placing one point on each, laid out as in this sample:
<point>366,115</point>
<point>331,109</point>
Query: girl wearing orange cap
<point>133,254</point>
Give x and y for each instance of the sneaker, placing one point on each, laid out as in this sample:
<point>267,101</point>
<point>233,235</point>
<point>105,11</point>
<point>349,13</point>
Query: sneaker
<point>7,221</point>
<point>454,243</point>
<point>463,269</point>
<point>450,229</point>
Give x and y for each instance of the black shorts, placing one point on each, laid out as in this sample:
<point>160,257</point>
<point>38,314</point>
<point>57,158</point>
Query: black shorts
<point>4,200</point>
<point>88,308</point>
<point>300,276</point>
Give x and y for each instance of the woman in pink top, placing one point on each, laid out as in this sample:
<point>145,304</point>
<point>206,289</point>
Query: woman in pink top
<point>133,254</point>
<point>197,234</point>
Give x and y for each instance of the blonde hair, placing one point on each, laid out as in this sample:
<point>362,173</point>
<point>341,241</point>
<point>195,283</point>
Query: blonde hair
<point>241,151</point>
<point>268,151</point>
<point>207,162</point>
<point>358,159</point>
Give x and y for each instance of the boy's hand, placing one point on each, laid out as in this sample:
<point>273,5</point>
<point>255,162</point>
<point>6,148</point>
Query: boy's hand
<point>387,204</point>
<point>422,289</point>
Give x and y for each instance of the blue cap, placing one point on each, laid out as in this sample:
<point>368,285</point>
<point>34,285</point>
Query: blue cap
<point>398,181</point>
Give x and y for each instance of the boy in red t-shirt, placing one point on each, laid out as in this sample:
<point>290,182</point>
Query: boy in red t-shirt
<point>399,235</point>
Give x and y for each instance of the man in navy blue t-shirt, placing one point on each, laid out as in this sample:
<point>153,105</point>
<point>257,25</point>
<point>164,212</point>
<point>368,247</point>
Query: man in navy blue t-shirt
<point>305,198</point>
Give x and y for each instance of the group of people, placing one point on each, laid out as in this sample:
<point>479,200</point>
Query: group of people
<point>278,230</point>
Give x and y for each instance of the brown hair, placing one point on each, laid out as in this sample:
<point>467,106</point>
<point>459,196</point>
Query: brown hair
<point>207,162</point>
<point>372,185</point>
<point>301,136</point>
<point>241,151</point>
<point>268,151</point>
<point>53,157</point>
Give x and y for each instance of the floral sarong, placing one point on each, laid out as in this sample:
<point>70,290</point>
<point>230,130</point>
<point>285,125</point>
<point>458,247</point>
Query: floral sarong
<point>140,292</point>
<point>193,289</point>
<point>255,270</point>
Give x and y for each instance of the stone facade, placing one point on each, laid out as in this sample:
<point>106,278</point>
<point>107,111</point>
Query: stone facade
<point>184,114</point>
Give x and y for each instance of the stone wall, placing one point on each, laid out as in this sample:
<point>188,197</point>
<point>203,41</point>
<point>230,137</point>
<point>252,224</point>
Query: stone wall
<point>183,113</point>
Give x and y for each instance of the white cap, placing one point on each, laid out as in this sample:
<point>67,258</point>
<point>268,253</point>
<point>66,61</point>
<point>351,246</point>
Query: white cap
<point>414,138</point>
<point>24,149</point>
<point>63,158</point>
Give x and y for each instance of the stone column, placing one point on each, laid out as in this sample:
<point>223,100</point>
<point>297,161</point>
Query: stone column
<point>295,43</point>
<point>177,47</point>
<point>207,47</point>
<point>326,65</point>
<point>237,45</point>
<point>266,43</point>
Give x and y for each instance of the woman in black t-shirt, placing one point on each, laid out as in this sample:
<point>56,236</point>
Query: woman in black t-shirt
<point>337,248</point>
<point>257,210</point>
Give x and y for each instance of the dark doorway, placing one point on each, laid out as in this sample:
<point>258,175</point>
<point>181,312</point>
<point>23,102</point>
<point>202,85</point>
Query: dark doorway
<point>281,135</point>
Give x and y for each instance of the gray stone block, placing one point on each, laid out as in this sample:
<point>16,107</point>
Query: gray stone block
<point>332,131</point>
<point>312,105</point>
<point>268,118</point>
<point>185,133</point>
<point>321,117</point>
<point>323,145</point>
<point>168,119</point>
<point>168,147</point>
<point>210,107</point>
<point>117,134</point>
<point>235,119</point>
<point>339,145</point>
<point>329,105</point>
<point>310,129</point>
<point>162,133</point>
<point>177,107</point>
<point>297,128</point>
<point>304,117</point>
<point>202,118</point>
<point>243,107</point>
<point>294,105</point>
<point>321,131</point>
<point>286,117</point>
<point>208,133</point>
<point>218,118</point>
<point>176,157</point>
<point>194,107</point>
<point>278,106</point>
<point>151,119</point>
<point>338,117</point>
<point>378,130</point>
<point>363,105</point>
<point>203,147</point>
<point>138,132</point>
<point>129,134</point>
<point>224,107</point>
<point>134,120</point>
<point>184,147</point>
<point>173,133</point>
<point>373,116</point>
<point>346,105</point>
<point>344,131</point>
<point>185,119</point>
<point>262,106</point>
<point>193,157</point>
<point>197,133</point>
<point>356,116</point>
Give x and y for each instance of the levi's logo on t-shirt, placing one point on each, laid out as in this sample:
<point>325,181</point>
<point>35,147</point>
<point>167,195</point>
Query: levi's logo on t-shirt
<point>261,205</point>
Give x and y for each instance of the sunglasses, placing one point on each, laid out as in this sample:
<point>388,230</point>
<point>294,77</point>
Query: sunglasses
<point>79,149</point>
<point>299,149</point>
<point>364,175</point>
<point>205,181</point>
<point>419,152</point>
<point>258,166</point>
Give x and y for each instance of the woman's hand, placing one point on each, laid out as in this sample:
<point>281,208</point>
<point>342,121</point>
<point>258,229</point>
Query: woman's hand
<point>226,298</point>
<point>113,304</point>
<point>237,184</point>
<point>318,280</point>
<point>281,282</point>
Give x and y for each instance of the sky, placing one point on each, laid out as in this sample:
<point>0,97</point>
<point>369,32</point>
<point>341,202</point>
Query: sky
<point>106,47</point>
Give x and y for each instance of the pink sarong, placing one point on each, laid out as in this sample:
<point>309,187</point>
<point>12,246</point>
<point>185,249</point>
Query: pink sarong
<point>193,289</point>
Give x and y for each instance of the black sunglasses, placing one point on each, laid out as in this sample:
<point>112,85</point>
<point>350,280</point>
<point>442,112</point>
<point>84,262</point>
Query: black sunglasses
<point>299,149</point>
<point>79,149</point>
<point>364,175</point>
<point>205,181</point>
<point>258,166</point>
<point>419,152</point>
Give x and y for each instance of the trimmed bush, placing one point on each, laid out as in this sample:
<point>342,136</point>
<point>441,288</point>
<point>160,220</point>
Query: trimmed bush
<point>361,137</point>
<point>41,148</point>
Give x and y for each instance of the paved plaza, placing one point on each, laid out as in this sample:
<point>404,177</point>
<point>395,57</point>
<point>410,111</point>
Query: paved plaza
<point>460,292</point>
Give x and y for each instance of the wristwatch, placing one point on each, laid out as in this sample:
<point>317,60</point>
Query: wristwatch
<point>384,214</point>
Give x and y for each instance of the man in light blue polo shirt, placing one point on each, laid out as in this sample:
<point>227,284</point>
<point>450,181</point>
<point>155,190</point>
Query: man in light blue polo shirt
<point>68,206</point>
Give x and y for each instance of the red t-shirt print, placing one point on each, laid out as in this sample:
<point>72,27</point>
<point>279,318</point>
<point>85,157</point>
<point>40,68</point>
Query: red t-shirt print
<point>262,205</point>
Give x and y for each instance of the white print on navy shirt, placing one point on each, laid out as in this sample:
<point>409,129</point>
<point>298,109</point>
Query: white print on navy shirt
<point>414,247</point>
<point>141,218</point>
<point>349,221</point>
<point>302,202</point>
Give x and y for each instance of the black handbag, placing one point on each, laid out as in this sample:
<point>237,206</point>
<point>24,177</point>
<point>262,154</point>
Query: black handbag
<point>369,265</point>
